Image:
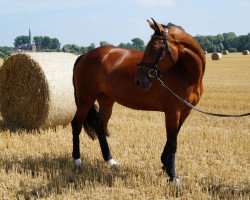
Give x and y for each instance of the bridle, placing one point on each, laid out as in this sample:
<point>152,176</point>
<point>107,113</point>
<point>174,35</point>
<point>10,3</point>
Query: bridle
<point>154,70</point>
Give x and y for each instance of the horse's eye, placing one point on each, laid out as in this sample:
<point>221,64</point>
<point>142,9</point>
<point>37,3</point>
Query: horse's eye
<point>153,47</point>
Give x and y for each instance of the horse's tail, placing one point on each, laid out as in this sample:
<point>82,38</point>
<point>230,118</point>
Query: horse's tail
<point>91,121</point>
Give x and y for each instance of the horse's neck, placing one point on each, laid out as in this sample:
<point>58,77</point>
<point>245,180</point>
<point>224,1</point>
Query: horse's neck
<point>191,58</point>
<point>192,65</point>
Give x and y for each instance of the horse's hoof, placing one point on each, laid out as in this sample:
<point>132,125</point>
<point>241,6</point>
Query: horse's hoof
<point>112,162</point>
<point>175,181</point>
<point>78,162</point>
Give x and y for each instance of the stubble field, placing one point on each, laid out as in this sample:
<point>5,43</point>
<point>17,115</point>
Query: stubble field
<point>212,158</point>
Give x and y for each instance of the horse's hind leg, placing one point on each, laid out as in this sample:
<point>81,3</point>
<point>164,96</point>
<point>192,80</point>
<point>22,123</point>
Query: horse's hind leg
<point>105,111</point>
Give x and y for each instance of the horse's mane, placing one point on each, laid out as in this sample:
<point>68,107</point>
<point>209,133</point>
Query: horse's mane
<point>169,25</point>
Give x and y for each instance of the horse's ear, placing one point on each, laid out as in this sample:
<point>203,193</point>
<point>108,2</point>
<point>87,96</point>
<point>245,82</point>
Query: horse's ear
<point>157,27</point>
<point>151,24</point>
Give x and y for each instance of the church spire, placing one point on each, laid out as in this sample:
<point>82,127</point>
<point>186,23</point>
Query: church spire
<point>29,38</point>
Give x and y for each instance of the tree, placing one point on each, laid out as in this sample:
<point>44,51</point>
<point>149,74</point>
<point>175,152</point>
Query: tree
<point>45,43</point>
<point>230,40</point>
<point>84,50</point>
<point>71,48</point>
<point>55,44</point>
<point>104,43</point>
<point>220,47</point>
<point>129,46</point>
<point>37,40</point>
<point>122,45</point>
<point>206,44</point>
<point>126,46</point>
<point>221,41</point>
<point>21,40</point>
<point>91,47</point>
<point>138,44</point>
<point>231,49</point>
<point>243,42</point>
<point>247,45</point>
<point>218,39</point>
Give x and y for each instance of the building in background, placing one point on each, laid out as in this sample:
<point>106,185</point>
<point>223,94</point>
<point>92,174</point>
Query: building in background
<point>27,47</point>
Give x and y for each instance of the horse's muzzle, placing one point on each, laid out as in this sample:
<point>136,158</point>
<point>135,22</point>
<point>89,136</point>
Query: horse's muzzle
<point>143,81</point>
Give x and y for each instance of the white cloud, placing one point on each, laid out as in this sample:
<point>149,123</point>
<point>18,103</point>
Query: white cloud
<point>29,6</point>
<point>156,2</point>
<point>26,6</point>
<point>245,4</point>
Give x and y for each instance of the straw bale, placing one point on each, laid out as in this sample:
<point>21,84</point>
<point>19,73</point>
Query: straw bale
<point>225,52</point>
<point>36,90</point>
<point>1,62</point>
<point>245,52</point>
<point>216,56</point>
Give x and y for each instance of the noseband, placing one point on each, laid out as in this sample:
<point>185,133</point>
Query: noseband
<point>154,70</point>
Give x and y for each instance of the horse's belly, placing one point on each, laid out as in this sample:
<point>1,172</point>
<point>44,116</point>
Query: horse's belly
<point>138,99</point>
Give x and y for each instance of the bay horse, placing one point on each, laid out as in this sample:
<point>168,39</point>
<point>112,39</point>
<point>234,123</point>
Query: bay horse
<point>110,74</point>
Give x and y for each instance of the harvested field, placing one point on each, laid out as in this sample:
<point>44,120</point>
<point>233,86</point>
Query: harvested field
<point>212,159</point>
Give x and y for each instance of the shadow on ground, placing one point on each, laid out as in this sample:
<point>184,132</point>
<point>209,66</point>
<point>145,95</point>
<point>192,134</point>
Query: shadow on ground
<point>61,174</point>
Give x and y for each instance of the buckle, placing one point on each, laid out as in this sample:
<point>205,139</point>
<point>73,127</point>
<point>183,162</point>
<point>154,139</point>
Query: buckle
<point>152,73</point>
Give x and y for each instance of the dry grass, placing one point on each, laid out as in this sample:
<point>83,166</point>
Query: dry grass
<point>212,158</point>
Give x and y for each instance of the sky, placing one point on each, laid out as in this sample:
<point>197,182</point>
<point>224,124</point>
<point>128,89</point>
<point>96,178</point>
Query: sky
<point>83,22</point>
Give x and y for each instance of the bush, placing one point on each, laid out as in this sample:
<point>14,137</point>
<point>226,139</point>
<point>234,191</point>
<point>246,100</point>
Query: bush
<point>231,49</point>
<point>5,52</point>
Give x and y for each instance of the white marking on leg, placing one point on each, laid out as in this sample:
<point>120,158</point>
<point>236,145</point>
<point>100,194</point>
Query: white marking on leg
<point>176,182</point>
<point>78,162</point>
<point>112,162</point>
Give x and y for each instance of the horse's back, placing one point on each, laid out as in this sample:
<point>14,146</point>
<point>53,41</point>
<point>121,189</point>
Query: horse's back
<point>107,69</point>
<point>106,56</point>
<point>93,56</point>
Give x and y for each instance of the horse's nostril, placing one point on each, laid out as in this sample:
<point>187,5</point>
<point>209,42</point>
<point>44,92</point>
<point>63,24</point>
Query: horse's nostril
<point>137,82</point>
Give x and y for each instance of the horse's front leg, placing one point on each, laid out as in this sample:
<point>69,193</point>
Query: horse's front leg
<point>168,154</point>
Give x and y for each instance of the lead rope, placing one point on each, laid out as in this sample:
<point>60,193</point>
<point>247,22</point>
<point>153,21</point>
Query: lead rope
<point>193,107</point>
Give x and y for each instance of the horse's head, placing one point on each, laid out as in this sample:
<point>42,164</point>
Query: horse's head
<point>157,57</point>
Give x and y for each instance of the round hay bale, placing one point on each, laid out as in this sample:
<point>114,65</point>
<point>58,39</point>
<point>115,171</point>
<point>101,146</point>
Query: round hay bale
<point>1,62</point>
<point>225,52</point>
<point>245,52</point>
<point>205,52</point>
<point>36,90</point>
<point>216,56</point>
